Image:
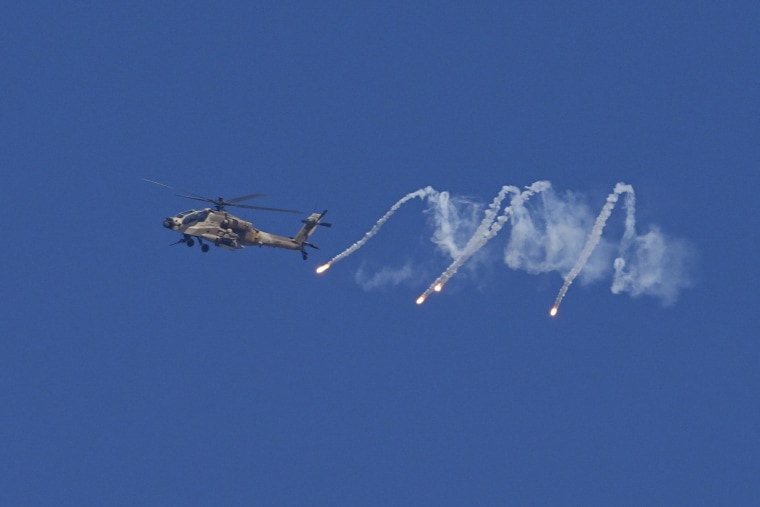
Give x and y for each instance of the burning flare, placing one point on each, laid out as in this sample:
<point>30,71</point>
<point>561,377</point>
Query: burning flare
<point>596,234</point>
<point>421,193</point>
<point>529,238</point>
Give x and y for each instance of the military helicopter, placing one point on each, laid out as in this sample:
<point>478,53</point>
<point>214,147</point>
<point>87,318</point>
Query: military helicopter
<point>216,225</point>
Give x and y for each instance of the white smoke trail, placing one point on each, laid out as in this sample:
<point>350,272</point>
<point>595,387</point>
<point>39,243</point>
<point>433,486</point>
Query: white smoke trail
<point>488,229</point>
<point>653,265</point>
<point>553,236</point>
<point>421,193</point>
<point>454,219</point>
<point>385,277</point>
<point>595,236</point>
<point>445,218</point>
<point>630,217</point>
<point>656,265</point>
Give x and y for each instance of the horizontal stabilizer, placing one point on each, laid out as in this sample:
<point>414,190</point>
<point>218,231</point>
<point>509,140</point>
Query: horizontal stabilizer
<point>317,218</point>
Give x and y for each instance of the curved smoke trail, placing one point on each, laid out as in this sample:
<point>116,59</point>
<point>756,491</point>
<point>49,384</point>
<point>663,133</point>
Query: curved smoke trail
<point>421,193</point>
<point>596,234</point>
<point>488,229</point>
<point>651,264</point>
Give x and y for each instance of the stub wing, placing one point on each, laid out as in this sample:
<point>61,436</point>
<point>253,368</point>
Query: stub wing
<point>212,233</point>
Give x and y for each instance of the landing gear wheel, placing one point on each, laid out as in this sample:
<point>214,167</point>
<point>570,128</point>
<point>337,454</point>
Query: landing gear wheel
<point>190,242</point>
<point>204,248</point>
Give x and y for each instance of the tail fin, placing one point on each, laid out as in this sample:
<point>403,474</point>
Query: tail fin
<point>310,224</point>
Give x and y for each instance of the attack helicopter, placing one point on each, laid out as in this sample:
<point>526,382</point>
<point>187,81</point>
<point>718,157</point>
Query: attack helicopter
<point>215,225</point>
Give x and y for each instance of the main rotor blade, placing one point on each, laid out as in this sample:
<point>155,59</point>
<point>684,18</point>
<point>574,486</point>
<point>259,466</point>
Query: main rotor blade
<point>267,209</point>
<point>204,199</point>
<point>195,196</point>
<point>243,198</point>
<point>221,203</point>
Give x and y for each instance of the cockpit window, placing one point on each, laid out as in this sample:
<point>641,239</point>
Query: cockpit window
<point>195,216</point>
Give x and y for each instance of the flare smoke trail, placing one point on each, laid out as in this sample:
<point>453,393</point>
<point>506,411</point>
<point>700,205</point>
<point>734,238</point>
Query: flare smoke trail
<point>630,221</point>
<point>488,229</point>
<point>551,237</point>
<point>596,234</point>
<point>421,193</point>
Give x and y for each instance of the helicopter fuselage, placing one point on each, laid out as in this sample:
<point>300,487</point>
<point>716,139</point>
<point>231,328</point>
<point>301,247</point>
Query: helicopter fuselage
<point>219,227</point>
<point>232,233</point>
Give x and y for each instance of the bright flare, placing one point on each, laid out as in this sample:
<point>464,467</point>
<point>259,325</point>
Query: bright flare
<point>420,300</point>
<point>438,287</point>
<point>596,235</point>
<point>553,311</point>
<point>324,267</point>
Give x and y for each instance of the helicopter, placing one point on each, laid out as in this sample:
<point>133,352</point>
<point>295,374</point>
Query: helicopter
<point>215,225</point>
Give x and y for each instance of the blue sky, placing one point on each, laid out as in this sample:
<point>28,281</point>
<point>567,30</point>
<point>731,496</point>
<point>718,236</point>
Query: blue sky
<point>134,373</point>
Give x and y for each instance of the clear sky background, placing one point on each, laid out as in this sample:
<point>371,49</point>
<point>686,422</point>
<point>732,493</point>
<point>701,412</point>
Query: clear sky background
<point>134,373</point>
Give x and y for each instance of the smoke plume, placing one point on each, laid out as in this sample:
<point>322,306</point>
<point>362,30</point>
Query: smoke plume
<point>550,232</point>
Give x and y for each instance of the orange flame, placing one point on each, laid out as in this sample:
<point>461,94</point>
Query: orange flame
<point>553,311</point>
<point>438,287</point>
<point>324,267</point>
<point>420,300</point>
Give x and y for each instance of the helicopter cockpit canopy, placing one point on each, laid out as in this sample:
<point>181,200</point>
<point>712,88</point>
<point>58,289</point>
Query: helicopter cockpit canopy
<point>191,216</point>
<point>186,218</point>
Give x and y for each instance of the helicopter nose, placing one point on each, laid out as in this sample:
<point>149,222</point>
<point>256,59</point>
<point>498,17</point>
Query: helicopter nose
<point>168,223</point>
